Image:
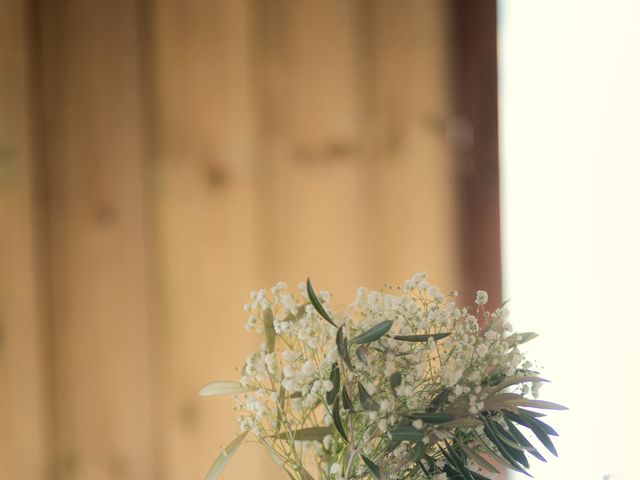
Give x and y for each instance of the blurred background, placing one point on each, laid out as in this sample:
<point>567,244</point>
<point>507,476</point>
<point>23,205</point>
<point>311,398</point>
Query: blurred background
<point>159,159</point>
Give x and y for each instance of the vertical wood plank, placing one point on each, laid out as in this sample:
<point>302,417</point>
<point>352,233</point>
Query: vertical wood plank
<point>411,196</point>
<point>205,217</point>
<point>94,151</point>
<point>312,144</point>
<point>24,409</point>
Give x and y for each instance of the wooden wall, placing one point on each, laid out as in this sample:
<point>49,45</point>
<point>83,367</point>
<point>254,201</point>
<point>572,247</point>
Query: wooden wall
<point>161,158</point>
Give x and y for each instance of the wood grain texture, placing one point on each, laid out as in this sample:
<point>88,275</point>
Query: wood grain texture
<point>411,196</point>
<point>205,216</point>
<point>24,386</point>
<point>95,167</point>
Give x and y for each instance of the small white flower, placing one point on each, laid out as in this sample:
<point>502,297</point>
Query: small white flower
<point>482,297</point>
<point>417,424</point>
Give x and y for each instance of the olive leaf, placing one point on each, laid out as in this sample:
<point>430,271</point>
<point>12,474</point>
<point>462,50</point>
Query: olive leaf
<point>374,333</point>
<point>375,470</point>
<point>430,417</point>
<point>395,380</point>
<point>313,298</point>
<point>307,434</point>
<point>362,355</point>
<point>421,338</point>
<point>366,400</point>
<point>477,458</point>
<point>406,432</point>
<point>215,389</point>
<point>335,379</point>
<point>223,459</point>
<point>337,421</point>
<point>346,400</point>
<point>343,347</point>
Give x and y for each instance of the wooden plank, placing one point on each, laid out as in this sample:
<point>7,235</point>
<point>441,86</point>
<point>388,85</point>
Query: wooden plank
<point>95,161</point>
<point>206,221</point>
<point>312,145</point>
<point>24,409</point>
<point>474,41</point>
<point>411,193</point>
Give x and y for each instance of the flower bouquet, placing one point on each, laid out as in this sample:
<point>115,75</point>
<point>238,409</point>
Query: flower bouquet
<point>402,384</point>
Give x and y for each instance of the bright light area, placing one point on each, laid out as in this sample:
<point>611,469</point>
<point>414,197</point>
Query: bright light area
<point>570,145</point>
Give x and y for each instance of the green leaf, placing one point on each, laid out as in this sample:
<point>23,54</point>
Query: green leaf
<point>534,425</point>
<point>421,338</point>
<point>223,459</point>
<point>505,452</point>
<point>522,440</point>
<point>335,379</point>
<point>419,451</point>
<point>346,401</point>
<point>343,348</point>
<point>541,404</point>
<point>431,417</point>
<point>395,380</point>
<point>337,421</point>
<point>317,305</point>
<point>366,400</point>
<point>269,330</point>
<point>215,389</point>
<point>456,463</point>
<point>361,355</point>
<point>375,470</point>
<point>374,333</point>
<point>307,434</point>
<point>477,458</point>
<point>438,400</point>
<point>514,381</point>
<point>512,340</point>
<point>406,432</point>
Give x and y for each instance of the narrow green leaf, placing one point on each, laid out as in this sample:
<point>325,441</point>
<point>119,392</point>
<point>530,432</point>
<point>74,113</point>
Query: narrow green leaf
<point>375,470</point>
<point>462,422</point>
<point>539,432</point>
<point>343,347</point>
<point>269,330</point>
<point>317,305</point>
<point>366,400</point>
<point>512,340</point>
<point>337,421</point>
<point>362,355</point>
<point>438,400</point>
<point>477,458</point>
<point>406,432</point>
<point>374,333</point>
<point>215,389</point>
<point>223,459</point>
<point>514,381</point>
<point>347,403</point>
<point>395,380</point>
<point>509,443</point>
<point>541,404</point>
<point>503,451</point>
<point>432,417</point>
<point>421,338</point>
<point>419,451</point>
<point>307,434</point>
<point>522,440</point>
<point>335,379</point>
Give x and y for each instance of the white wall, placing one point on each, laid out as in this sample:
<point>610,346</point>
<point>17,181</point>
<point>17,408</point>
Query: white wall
<point>570,146</point>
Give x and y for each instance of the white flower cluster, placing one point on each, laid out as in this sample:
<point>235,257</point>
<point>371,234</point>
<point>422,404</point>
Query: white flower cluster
<point>398,385</point>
